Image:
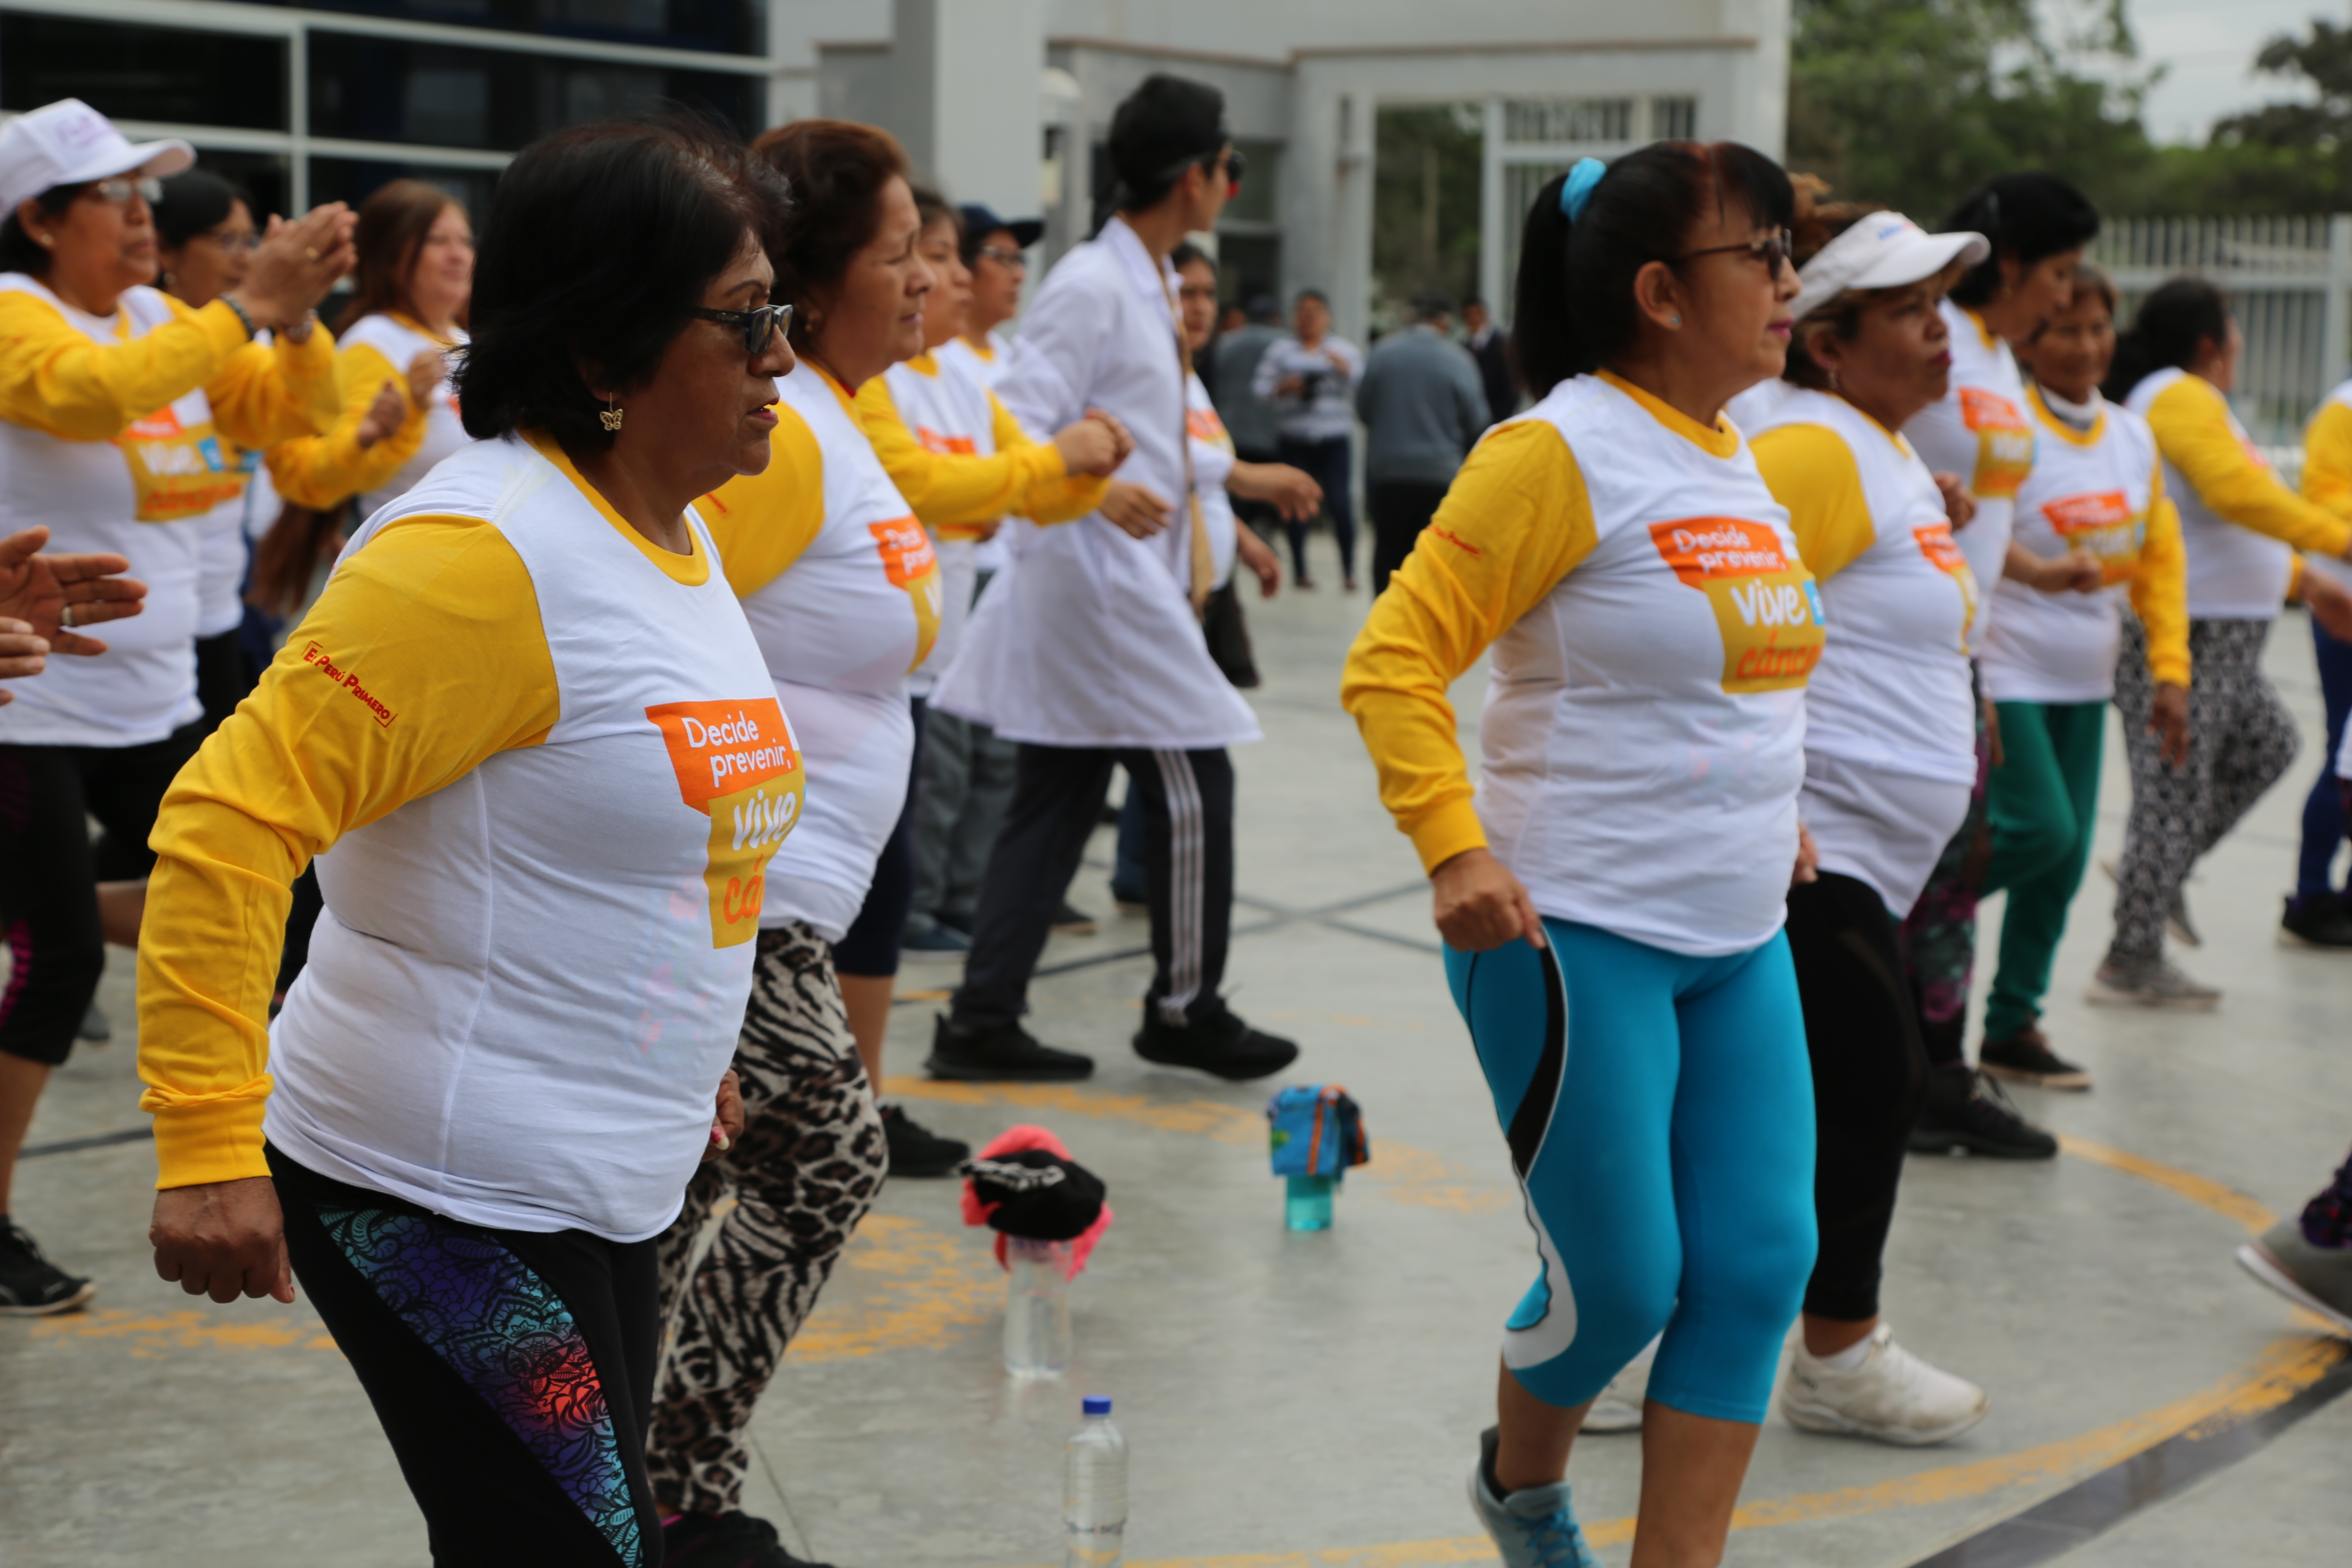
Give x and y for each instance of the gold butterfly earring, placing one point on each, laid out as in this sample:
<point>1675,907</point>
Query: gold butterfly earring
<point>612,414</point>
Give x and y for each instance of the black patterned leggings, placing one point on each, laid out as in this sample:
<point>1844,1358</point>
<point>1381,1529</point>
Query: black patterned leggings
<point>803,1173</point>
<point>510,1370</point>
<point>2241,740</point>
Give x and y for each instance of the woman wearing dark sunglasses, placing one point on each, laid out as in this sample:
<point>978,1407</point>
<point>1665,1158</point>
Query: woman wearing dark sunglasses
<point>528,736</point>
<point>1613,901</point>
<point>117,406</point>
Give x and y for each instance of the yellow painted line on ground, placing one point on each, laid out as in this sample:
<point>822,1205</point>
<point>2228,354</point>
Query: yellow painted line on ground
<point>2290,1365</point>
<point>925,1287</point>
<point>2204,1192</point>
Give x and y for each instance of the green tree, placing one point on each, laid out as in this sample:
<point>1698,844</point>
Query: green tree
<point>1916,102</point>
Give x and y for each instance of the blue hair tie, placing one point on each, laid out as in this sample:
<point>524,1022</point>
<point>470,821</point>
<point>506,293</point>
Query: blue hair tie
<point>1576,191</point>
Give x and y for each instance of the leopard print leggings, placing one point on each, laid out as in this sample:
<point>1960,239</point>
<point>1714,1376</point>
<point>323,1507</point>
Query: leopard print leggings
<point>2241,738</point>
<point>803,1173</point>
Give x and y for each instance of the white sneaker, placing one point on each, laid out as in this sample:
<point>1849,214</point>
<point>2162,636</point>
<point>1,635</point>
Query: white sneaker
<point>1619,1408</point>
<point>1892,1397</point>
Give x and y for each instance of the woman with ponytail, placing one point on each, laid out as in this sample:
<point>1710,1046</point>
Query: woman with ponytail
<point>2241,529</point>
<point>1612,904</point>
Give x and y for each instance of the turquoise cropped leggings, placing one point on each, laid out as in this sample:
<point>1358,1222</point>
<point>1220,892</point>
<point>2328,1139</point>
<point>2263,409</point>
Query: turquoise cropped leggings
<point>1660,1115</point>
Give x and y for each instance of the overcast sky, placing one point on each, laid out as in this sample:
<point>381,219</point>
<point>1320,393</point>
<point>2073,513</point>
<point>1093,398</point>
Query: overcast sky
<point>2210,46</point>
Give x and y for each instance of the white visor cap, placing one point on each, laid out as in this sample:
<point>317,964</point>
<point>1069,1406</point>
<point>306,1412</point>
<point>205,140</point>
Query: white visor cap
<point>1882,251</point>
<point>69,142</point>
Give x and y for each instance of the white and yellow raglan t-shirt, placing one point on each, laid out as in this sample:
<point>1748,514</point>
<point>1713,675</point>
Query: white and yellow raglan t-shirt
<point>543,769</point>
<point>984,365</point>
<point>1890,714</point>
<point>120,434</point>
<point>1981,432</point>
<point>2239,526</point>
<point>842,590</point>
<point>1213,464</point>
<point>2096,487</point>
<point>962,463</point>
<point>1652,627</point>
<point>331,469</point>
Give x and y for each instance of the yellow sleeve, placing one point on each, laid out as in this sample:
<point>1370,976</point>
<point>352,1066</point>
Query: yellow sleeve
<point>1062,499</point>
<point>945,489</point>
<point>57,380</point>
<point>2328,458</point>
<point>437,619</point>
<point>323,471</point>
<point>2159,589</point>
<point>1515,521</point>
<point>761,522</point>
<point>277,391</point>
<point>1811,471</point>
<point>2192,430</point>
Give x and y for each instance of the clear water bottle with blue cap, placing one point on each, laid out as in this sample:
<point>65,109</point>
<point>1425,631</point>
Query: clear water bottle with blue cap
<point>1094,1491</point>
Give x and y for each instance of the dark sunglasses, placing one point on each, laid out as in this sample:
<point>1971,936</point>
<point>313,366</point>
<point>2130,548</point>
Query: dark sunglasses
<point>1773,251</point>
<point>1236,165</point>
<point>760,326</point>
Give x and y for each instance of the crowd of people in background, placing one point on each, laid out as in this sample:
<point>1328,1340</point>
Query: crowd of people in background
<point>546,701</point>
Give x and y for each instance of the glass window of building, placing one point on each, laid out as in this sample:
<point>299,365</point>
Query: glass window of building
<point>131,71</point>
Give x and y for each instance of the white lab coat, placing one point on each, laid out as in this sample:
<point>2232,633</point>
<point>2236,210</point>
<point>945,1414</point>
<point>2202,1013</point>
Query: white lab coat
<point>1088,640</point>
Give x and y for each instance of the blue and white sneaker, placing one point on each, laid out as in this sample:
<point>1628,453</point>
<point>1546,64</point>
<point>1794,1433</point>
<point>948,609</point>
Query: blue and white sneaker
<point>1534,1527</point>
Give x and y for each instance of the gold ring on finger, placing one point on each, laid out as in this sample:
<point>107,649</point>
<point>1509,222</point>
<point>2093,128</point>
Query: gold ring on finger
<point>311,251</point>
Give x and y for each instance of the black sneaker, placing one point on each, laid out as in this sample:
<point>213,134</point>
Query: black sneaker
<point>30,1285</point>
<point>1220,1043</point>
<point>2027,1058</point>
<point>1009,1053</point>
<point>916,1150</point>
<point>726,1541</point>
<point>1072,920</point>
<point>934,939</point>
<point>2320,921</point>
<point>1964,1112</point>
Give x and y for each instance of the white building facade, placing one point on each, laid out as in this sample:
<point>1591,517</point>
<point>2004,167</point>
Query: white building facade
<point>1006,101</point>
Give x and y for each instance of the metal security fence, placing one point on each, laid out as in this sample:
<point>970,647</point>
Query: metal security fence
<point>2289,284</point>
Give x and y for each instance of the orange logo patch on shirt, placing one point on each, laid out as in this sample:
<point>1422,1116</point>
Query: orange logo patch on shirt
<point>2101,522</point>
<point>177,470</point>
<point>910,564</point>
<point>738,762</point>
<point>1936,542</point>
<point>1204,425</point>
<point>2004,442</point>
<point>1765,603</point>
<point>940,446</point>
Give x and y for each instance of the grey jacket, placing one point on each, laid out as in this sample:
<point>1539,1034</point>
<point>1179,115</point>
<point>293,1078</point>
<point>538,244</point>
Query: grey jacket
<point>1423,406</point>
<point>1249,418</point>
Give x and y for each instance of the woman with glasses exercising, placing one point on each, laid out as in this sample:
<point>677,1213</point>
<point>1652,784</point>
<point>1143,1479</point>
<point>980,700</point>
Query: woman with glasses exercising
<point>1613,899</point>
<point>530,740</point>
<point>118,405</point>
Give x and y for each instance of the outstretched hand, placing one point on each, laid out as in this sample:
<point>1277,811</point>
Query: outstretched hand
<point>727,1117</point>
<point>38,590</point>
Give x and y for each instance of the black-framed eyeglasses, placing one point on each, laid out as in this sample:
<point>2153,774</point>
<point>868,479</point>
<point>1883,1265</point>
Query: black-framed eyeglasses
<point>760,326</point>
<point>120,190</point>
<point>1772,250</point>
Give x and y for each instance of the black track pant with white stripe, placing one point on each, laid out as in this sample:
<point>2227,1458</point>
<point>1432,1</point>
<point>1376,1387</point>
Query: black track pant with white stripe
<point>1057,797</point>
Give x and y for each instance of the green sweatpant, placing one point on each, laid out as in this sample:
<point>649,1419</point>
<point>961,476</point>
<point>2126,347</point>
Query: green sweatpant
<point>2042,801</point>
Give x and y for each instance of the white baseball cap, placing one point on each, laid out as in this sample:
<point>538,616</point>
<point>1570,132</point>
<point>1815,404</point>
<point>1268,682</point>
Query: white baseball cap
<point>1882,251</point>
<point>69,142</point>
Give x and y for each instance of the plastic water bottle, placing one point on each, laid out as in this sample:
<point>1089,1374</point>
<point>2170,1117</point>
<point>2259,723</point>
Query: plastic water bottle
<point>1306,1205</point>
<point>1094,1491</point>
<point>1037,1307</point>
